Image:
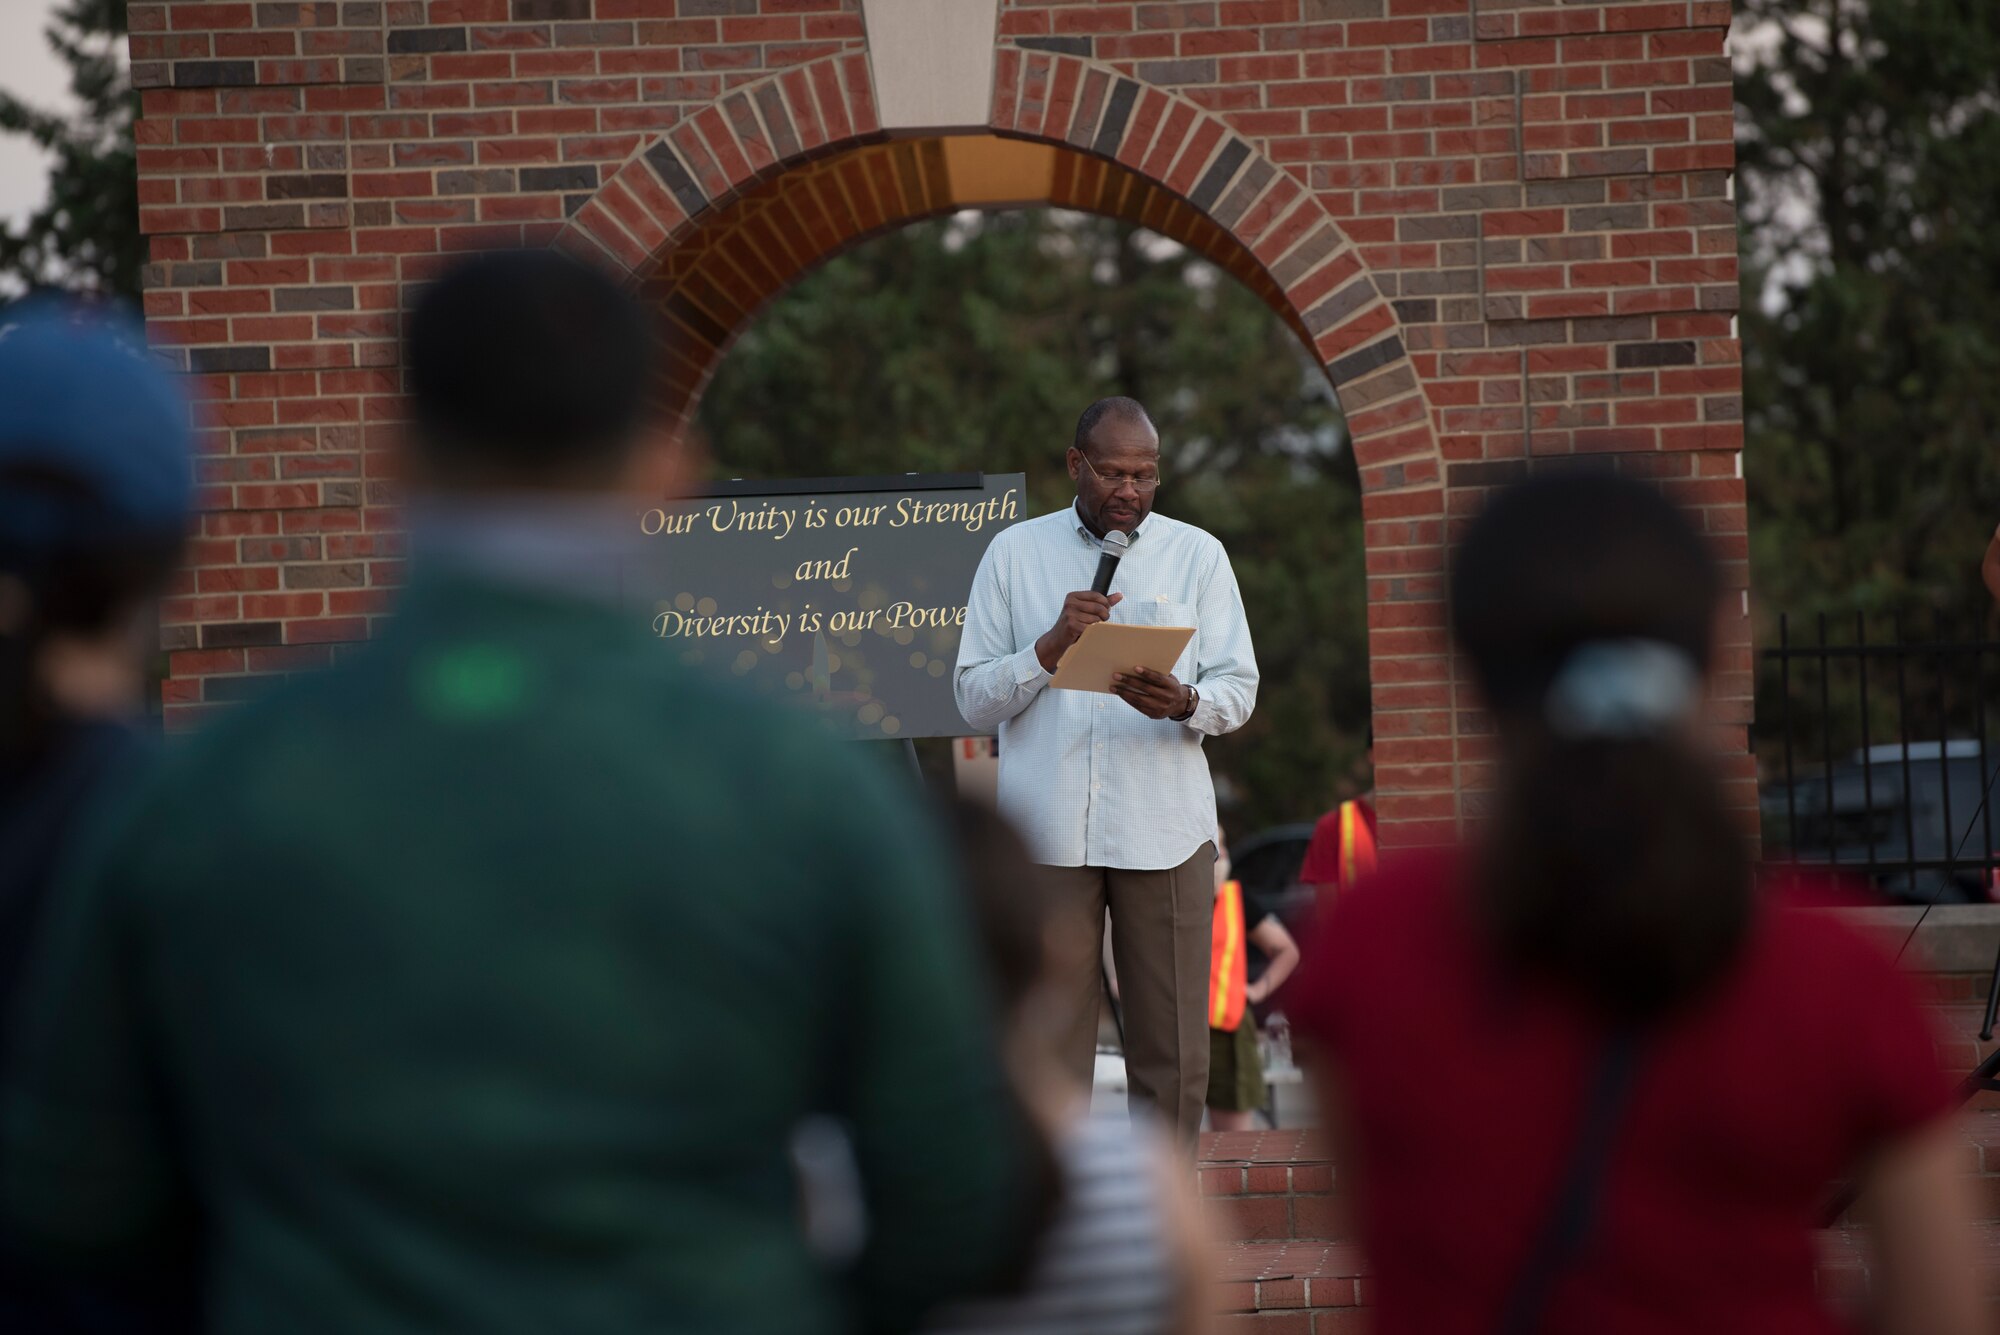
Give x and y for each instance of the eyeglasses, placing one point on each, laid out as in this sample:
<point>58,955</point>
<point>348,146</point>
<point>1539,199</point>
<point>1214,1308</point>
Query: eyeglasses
<point>1145,486</point>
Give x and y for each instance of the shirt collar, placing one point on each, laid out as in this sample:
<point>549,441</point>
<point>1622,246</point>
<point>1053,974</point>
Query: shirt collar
<point>1076,520</point>
<point>576,547</point>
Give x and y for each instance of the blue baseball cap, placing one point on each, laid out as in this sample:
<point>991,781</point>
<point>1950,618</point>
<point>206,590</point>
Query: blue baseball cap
<point>95,440</point>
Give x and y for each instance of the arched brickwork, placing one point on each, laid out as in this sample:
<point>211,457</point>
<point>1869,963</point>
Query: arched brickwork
<point>1146,156</point>
<point>713,281</point>
<point>1506,229</point>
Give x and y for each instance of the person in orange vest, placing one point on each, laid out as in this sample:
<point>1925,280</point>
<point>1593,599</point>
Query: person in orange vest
<point>1342,850</point>
<point>1235,1069</point>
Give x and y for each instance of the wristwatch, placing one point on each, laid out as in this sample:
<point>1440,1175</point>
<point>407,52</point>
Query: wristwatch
<point>1193,703</point>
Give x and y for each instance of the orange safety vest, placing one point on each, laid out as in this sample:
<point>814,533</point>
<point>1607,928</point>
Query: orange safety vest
<point>1357,845</point>
<point>1227,971</point>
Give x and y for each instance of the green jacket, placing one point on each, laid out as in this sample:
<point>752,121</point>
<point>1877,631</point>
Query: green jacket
<point>478,984</point>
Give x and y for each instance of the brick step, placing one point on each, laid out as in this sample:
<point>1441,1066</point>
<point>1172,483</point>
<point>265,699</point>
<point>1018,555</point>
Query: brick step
<point>1319,1288</point>
<point>1277,1186</point>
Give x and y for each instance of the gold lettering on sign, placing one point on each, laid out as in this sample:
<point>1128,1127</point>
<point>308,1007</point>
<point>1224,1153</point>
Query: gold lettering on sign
<point>690,618</point>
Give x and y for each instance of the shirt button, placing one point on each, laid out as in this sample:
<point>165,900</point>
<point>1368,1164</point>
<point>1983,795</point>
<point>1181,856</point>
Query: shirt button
<point>1100,704</point>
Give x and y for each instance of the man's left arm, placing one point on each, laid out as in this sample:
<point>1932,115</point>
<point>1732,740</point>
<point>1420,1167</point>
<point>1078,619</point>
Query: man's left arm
<point>1225,670</point>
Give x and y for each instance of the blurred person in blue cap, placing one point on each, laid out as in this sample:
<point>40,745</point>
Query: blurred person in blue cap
<point>485,979</point>
<point>94,492</point>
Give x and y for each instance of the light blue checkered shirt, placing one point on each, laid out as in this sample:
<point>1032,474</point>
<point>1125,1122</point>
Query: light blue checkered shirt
<point>1090,780</point>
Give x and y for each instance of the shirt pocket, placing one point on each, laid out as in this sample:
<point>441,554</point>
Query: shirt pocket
<point>1162,611</point>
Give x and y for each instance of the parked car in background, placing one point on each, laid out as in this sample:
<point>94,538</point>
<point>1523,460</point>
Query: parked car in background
<point>1267,863</point>
<point>1914,820</point>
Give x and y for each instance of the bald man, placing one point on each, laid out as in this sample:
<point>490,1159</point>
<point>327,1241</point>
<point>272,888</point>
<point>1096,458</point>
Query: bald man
<point>1113,792</point>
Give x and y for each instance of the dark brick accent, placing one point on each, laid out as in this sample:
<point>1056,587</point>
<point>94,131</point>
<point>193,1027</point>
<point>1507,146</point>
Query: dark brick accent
<point>1340,305</point>
<point>1067,46</point>
<point>1219,174</point>
<point>216,361</point>
<point>1521,333</point>
<point>1306,256</point>
<point>1178,71</point>
<point>1610,218</point>
<point>214,73</point>
<point>1416,310</point>
<point>777,120</point>
<point>198,274</point>
<point>293,299</point>
<point>546,11</point>
<point>1654,354</point>
<point>1585,190</point>
<point>680,183</point>
<point>578,177</point>
<point>1438,227</point>
<point>1363,360</point>
<point>426,41</point>
<point>264,217</point>
<point>327,186</point>
<point>1244,193</point>
<point>1117,114</point>
<point>1614,329</point>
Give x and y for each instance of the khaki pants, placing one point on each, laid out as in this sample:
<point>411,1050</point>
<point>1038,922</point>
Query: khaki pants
<point>1160,934</point>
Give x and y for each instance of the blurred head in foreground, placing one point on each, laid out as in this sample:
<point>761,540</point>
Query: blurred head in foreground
<point>94,495</point>
<point>1586,604</point>
<point>528,371</point>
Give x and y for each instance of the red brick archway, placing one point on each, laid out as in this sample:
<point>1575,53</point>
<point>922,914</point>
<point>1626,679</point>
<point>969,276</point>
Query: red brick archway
<point>1506,230</point>
<point>719,216</point>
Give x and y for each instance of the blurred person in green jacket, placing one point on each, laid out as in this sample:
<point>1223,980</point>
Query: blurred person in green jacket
<point>480,983</point>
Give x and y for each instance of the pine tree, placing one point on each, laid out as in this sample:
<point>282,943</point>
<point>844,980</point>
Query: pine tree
<point>1869,148</point>
<point>85,237</point>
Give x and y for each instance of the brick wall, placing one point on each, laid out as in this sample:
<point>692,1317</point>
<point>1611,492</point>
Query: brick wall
<point>1505,226</point>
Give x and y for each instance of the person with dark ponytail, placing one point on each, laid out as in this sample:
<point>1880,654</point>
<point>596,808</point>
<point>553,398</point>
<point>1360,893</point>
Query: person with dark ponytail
<point>95,486</point>
<point>1588,1076</point>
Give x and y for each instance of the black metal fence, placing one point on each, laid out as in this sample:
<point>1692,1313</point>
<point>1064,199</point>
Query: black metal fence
<point>1874,753</point>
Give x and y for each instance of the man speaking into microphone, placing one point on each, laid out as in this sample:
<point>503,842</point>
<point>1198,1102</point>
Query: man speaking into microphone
<point>1113,791</point>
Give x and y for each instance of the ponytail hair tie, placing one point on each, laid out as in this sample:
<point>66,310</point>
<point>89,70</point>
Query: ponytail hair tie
<point>1623,689</point>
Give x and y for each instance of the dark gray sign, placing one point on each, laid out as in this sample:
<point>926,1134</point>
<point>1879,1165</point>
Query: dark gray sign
<point>844,596</point>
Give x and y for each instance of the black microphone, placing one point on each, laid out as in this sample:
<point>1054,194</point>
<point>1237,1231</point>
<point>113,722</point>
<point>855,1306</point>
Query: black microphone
<point>1115,544</point>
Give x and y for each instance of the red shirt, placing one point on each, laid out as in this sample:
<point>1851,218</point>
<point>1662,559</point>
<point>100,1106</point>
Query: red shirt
<point>1462,1101</point>
<point>1322,860</point>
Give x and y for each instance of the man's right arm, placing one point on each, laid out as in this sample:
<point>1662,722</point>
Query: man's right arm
<point>996,678</point>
